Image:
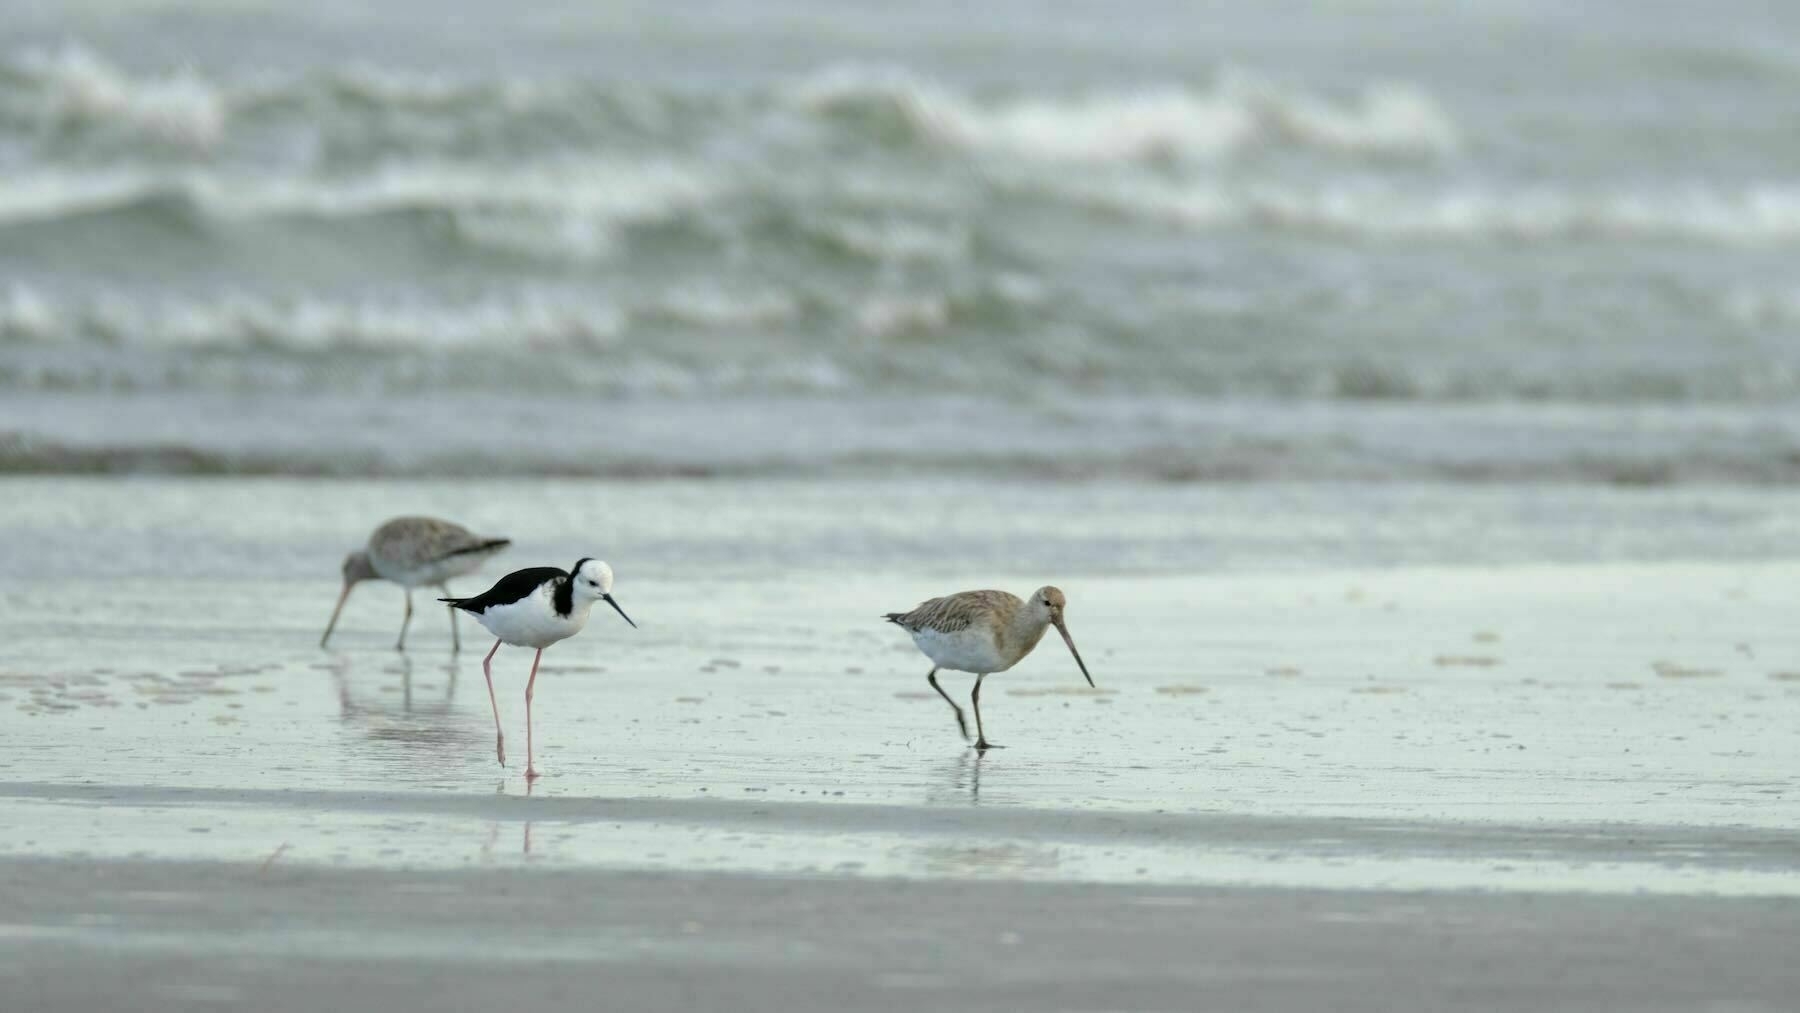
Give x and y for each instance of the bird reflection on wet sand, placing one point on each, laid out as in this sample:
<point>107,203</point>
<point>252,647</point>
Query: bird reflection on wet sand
<point>961,779</point>
<point>493,837</point>
<point>422,717</point>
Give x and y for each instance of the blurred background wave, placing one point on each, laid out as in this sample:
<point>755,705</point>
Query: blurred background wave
<point>1506,240</point>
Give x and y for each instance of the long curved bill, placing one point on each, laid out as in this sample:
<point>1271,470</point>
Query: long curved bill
<point>609,600</point>
<point>342,598</point>
<point>1064,630</point>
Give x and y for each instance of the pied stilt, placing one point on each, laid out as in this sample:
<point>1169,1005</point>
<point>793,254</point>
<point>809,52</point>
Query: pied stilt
<point>536,607</point>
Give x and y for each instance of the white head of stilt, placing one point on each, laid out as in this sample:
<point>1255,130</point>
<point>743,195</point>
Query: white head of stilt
<point>593,581</point>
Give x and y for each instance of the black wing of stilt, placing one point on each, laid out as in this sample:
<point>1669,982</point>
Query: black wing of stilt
<point>510,588</point>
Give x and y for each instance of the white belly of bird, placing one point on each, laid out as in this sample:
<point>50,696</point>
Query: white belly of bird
<point>532,621</point>
<point>971,649</point>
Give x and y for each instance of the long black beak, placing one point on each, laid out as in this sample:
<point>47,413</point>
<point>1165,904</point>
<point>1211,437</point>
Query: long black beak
<point>1064,630</point>
<point>607,598</point>
<point>342,598</point>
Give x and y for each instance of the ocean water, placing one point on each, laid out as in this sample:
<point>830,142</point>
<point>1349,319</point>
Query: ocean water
<point>1193,242</point>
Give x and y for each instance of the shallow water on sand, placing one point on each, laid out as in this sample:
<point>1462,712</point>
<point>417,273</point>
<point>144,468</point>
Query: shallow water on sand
<point>1594,726</point>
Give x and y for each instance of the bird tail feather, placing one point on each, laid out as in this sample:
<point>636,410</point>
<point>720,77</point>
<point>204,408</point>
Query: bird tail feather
<point>487,546</point>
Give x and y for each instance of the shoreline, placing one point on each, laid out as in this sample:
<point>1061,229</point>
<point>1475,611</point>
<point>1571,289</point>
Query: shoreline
<point>287,938</point>
<point>848,841</point>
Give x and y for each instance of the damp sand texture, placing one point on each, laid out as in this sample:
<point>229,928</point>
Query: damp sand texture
<point>1548,785</point>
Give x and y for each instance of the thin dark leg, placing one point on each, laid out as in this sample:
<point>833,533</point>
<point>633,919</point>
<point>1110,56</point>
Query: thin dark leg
<point>487,669</point>
<point>400,645</point>
<point>455,637</point>
<point>530,684</point>
<point>981,742</point>
<point>961,725</point>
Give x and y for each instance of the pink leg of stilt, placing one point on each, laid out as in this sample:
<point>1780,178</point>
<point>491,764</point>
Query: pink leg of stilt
<point>487,669</point>
<point>530,771</point>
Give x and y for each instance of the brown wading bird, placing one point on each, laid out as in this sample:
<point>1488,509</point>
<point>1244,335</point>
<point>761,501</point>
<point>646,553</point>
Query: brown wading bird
<point>982,632</point>
<point>416,552</point>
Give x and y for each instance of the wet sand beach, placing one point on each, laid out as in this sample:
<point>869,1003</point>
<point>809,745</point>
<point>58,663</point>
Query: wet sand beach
<point>1509,785</point>
<point>183,936</point>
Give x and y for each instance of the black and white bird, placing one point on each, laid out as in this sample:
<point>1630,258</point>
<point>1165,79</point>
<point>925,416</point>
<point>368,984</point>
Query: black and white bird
<point>416,552</point>
<point>536,607</point>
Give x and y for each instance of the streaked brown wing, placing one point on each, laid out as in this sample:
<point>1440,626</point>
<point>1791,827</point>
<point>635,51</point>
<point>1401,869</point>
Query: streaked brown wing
<point>955,612</point>
<point>421,540</point>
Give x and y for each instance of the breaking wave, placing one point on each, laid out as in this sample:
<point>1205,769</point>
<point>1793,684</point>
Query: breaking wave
<point>1758,213</point>
<point>1239,113</point>
<point>342,235</point>
<point>568,212</point>
<point>574,211</point>
<point>75,89</point>
<point>1009,337</point>
<point>551,169</point>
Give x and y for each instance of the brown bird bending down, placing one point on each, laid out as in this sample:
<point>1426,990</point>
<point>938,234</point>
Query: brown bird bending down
<point>416,552</point>
<point>982,632</point>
